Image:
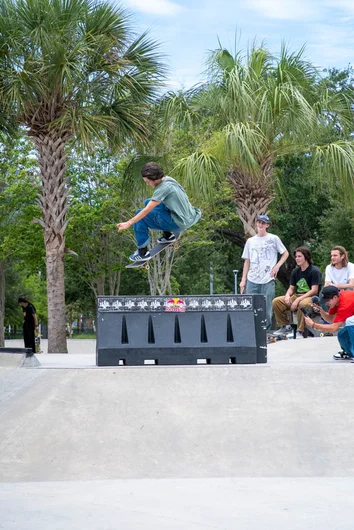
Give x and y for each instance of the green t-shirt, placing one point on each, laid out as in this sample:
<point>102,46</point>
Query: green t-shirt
<point>175,199</point>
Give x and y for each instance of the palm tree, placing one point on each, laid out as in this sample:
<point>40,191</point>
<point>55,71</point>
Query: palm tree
<point>258,108</point>
<point>72,71</point>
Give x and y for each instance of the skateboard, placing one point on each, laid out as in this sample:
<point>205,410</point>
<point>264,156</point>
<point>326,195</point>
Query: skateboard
<point>274,338</point>
<point>37,343</point>
<point>153,252</point>
<point>271,337</point>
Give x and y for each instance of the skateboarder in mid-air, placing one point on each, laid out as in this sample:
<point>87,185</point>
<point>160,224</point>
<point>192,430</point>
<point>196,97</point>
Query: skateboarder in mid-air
<point>168,210</point>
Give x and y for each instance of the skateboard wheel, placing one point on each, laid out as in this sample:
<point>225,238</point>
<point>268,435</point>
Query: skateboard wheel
<point>322,334</point>
<point>147,266</point>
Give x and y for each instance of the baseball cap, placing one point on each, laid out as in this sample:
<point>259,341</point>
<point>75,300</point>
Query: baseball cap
<point>263,218</point>
<point>328,292</point>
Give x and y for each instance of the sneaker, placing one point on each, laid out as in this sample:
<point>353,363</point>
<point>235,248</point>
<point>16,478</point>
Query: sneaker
<point>299,335</point>
<point>283,331</point>
<point>342,356</point>
<point>140,257</point>
<point>167,237</point>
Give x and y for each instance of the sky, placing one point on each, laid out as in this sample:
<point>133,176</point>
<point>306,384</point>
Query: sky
<point>188,30</point>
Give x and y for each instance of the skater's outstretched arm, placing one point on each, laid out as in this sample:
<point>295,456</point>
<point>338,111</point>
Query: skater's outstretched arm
<point>143,213</point>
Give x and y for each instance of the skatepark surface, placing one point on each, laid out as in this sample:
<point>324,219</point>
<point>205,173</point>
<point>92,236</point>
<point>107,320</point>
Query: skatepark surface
<point>251,447</point>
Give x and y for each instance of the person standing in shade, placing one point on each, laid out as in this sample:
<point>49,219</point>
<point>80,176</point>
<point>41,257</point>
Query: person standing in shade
<point>340,272</point>
<point>261,264</point>
<point>30,323</point>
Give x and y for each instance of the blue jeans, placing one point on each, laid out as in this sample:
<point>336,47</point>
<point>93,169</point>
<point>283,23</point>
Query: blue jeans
<point>158,219</point>
<point>346,336</point>
<point>268,290</point>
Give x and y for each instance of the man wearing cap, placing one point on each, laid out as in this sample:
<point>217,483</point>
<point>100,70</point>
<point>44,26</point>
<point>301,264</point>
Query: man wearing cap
<point>261,264</point>
<point>340,315</point>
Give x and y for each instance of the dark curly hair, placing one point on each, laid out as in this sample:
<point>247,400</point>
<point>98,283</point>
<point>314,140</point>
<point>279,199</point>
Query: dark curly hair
<point>152,171</point>
<point>305,251</point>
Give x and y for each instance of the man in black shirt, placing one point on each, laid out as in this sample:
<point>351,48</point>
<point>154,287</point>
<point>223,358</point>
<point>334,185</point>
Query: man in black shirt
<point>30,323</point>
<point>305,282</point>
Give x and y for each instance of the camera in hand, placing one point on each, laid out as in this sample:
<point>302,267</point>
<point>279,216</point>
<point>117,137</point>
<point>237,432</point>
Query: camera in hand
<point>307,311</point>
<point>315,300</point>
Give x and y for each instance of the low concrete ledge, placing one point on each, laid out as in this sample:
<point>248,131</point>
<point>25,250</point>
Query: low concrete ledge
<point>18,357</point>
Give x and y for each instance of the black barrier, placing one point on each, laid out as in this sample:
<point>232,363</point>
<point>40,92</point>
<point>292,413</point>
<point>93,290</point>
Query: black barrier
<point>186,330</point>
<point>27,351</point>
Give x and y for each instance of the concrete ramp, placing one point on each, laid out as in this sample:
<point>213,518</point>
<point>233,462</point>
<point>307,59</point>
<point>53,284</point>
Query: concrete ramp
<point>200,421</point>
<point>262,447</point>
<point>17,357</point>
<point>11,360</point>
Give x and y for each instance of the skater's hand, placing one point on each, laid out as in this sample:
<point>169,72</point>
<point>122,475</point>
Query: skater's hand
<point>316,308</point>
<point>294,305</point>
<point>124,226</point>
<point>309,321</point>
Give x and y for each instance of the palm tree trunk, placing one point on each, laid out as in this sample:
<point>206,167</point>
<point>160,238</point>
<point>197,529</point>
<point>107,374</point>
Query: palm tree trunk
<point>56,302</point>
<point>54,205</point>
<point>252,195</point>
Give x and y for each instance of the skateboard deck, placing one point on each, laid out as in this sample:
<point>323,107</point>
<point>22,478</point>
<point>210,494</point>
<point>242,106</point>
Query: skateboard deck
<point>37,343</point>
<point>153,252</point>
<point>274,338</point>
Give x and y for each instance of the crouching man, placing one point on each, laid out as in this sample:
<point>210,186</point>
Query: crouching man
<point>340,317</point>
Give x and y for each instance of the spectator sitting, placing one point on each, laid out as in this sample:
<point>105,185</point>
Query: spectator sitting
<point>305,282</point>
<point>340,272</point>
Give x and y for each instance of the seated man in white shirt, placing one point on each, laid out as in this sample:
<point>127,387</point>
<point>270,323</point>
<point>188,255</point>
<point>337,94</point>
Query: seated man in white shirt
<point>340,272</point>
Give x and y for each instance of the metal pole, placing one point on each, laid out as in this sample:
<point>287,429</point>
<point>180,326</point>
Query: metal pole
<point>211,279</point>
<point>235,276</point>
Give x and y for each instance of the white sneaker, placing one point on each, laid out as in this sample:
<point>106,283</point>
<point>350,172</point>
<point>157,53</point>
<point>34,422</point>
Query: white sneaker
<point>343,356</point>
<point>299,335</point>
<point>283,331</point>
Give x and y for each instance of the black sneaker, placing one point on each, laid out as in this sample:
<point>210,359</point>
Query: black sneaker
<point>138,256</point>
<point>342,356</point>
<point>167,237</point>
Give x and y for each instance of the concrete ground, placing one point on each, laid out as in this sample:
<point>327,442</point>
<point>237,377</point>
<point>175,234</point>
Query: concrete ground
<point>224,447</point>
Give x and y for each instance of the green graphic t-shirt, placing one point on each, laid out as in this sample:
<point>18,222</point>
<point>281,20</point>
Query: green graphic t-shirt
<point>171,193</point>
<point>304,280</point>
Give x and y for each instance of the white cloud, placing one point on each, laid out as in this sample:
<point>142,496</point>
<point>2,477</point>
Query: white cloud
<point>345,5</point>
<point>332,45</point>
<point>283,9</point>
<point>155,7</point>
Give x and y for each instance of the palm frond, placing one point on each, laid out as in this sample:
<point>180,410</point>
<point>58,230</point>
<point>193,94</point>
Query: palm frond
<point>245,146</point>
<point>199,173</point>
<point>179,108</point>
<point>336,162</point>
<point>63,62</point>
